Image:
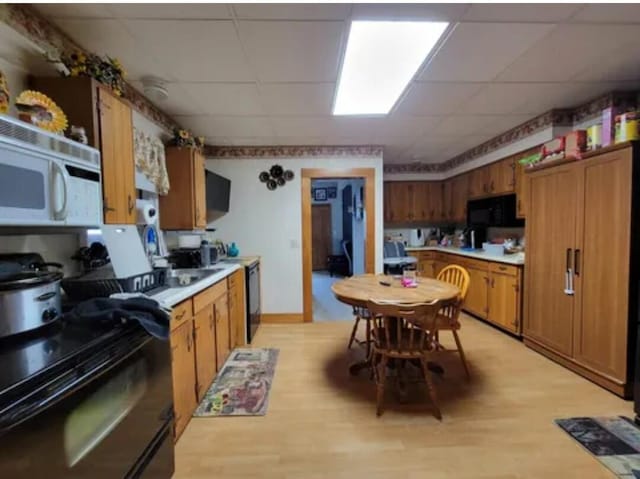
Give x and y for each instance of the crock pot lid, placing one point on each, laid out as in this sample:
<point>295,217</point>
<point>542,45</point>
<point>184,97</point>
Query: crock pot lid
<point>27,279</point>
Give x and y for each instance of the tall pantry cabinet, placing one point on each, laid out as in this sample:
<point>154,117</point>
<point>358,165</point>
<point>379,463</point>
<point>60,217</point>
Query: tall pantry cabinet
<point>581,292</point>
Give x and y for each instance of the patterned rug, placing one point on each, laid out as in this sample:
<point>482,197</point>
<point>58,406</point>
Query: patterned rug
<point>614,441</point>
<point>242,386</point>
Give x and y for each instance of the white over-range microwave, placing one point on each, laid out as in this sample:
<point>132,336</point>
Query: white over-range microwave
<point>47,179</point>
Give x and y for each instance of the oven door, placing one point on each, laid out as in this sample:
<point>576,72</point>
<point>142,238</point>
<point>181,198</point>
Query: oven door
<point>32,187</point>
<point>106,421</point>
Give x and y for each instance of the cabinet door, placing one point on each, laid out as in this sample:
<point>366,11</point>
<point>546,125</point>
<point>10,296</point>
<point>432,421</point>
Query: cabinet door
<point>435,201</point>
<point>183,371</point>
<point>551,236</point>
<point>502,176</point>
<point>521,190</point>
<point>477,295</point>
<point>602,265</point>
<point>398,204</point>
<point>118,168</point>
<point>199,193</point>
<point>478,180</point>
<point>447,201</point>
<point>221,310</point>
<point>387,207</point>
<point>504,301</point>
<point>233,316</point>
<point>420,193</point>
<point>460,196</point>
<point>205,335</point>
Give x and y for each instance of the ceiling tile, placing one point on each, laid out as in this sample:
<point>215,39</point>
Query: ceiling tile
<point>289,11</point>
<point>228,126</point>
<point>195,51</point>
<point>394,11</point>
<point>297,98</point>
<point>110,37</point>
<point>478,51</point>
<point>179,102</point>
<point>289,126</point>
<point>566,50</point>
<point>74,10</point>
<point>175,11</point>
<point>514,12</point>
<point>436,98</point>
<point>608,13</point>
<point>293,51</point>
<point>225,98</point>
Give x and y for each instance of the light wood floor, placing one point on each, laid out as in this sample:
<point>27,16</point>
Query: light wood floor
<point>321,423</point>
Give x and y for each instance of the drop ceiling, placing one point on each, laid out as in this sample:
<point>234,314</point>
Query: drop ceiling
<point>265,74</point>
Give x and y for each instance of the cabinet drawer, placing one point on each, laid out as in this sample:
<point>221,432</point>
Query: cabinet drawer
<point>473,263</point>
<point>180,313</point>
<point>444,257</point>
<point>504,269</point>
<point>209,295</point>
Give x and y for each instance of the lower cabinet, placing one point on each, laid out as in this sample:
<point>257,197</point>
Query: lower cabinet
<point>183,366</point>
<point>205,340</point>
<point>201,341</point>
<point>494,290</point>
<point>237,309</point>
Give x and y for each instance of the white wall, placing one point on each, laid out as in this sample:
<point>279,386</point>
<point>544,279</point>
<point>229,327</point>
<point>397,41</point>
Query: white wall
<point>269,223</point>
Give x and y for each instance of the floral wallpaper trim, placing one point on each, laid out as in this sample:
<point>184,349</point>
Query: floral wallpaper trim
<point>30,23</point>
<point>220,152</point>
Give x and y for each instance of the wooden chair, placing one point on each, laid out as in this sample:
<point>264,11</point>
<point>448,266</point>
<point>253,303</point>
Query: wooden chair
<point>360,314</point>
<point>448,318</point>
<point>402,332</point>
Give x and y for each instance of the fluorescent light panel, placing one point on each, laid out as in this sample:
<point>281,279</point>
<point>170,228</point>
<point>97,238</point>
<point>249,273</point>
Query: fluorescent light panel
<point>380,61</point>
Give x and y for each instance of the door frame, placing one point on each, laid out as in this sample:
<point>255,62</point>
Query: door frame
<point>308,174</point>
<point>323,206</point>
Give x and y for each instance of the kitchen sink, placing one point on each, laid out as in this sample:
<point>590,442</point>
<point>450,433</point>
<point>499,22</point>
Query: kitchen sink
<point>179,278</point>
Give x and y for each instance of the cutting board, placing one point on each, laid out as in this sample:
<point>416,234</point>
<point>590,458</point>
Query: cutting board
<point>125,250</point>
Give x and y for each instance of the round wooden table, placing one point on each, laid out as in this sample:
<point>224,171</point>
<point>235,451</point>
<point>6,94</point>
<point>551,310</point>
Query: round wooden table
<point>357,290</point>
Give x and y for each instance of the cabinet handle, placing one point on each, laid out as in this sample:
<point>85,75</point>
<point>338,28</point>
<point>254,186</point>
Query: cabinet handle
<point>568,275</point>
<point>519,205</point>
<point>576,262</point>
<point>105,206</point>
<point>180,316</point>
<point>130,204</point>
<point>502,268</point>
<point>189,341</point>
<point>492,186</point>
<point>211,323</point>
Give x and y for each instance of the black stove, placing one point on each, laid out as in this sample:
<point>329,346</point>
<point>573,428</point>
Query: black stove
<point>87,399</point>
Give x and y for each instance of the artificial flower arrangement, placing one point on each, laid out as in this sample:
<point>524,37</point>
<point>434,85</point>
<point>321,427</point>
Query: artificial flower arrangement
<point>184,138</point>
<point>108,70</point>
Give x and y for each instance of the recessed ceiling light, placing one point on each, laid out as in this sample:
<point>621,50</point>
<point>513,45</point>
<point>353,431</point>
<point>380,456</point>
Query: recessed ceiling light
<point>381,59</point>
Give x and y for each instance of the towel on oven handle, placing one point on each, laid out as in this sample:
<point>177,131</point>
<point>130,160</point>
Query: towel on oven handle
<point>145,311</point>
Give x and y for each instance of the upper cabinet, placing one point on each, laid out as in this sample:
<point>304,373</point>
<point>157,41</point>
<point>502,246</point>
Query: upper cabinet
<point>459,198</point>
<point>479,182</point>
<point>184,207</point>
<point>108,123</point>
<point>502,177</point>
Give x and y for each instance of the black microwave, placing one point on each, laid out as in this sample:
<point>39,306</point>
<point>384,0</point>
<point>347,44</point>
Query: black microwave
<point>495,211</point>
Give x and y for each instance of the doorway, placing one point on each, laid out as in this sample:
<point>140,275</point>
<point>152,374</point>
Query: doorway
<point>337,236</point>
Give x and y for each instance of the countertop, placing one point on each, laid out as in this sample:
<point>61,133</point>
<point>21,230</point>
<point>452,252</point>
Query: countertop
<point>243,260</point>
<point>515,259</point>
<point>172,296</point>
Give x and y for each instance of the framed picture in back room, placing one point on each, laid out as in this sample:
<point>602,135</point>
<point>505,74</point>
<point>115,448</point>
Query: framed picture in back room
<point>320,194</point>
<point>332,192</point>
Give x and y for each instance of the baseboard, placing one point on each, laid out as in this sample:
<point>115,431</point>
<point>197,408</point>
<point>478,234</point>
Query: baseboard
<point>281,318</point>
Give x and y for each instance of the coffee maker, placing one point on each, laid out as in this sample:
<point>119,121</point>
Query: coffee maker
<point>474,236</point>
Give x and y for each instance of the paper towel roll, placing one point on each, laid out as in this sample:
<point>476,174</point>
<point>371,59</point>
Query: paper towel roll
<point>146,213</point>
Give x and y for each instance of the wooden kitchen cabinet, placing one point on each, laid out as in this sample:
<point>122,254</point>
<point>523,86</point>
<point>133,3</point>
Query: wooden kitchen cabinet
<point>183,370</point>
<point>479,182</point>
<point>582,267</point>
<point>502,177</point>
<point>109,126</point>
<point>420,195</point>
<point>397,201</point>
<point>223,340</point>
<point>459,198</point>
<point>435,201</point>
<point>522,188</point>
<point>184,207</point>
<point>477,296</point>
<point>447,200</point>
<point>504,300</point>
<point>425,266</point>
<point>205,343</point>
<point>237,309</point>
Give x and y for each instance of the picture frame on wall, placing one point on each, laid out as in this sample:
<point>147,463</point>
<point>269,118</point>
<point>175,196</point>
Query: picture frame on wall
<point>320,194</point>
<point>332,192</point>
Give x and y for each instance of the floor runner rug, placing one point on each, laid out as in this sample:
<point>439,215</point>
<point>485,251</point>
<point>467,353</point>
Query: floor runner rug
<point>614,441</point>
<point>242,385</point>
